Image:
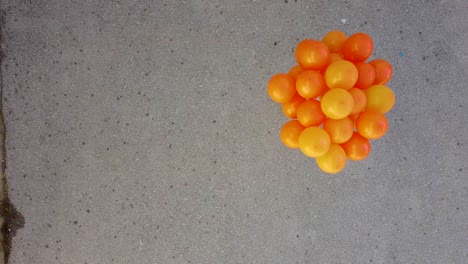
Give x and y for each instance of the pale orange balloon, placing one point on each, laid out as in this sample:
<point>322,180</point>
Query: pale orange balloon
<point>314,142</point>
<point>360,100</point>
<point>379,98</point>
<point>334,40</point>
<point>341,74</point>
<point>339,130</point>
<point>337,103</point>
<point>333,161</point>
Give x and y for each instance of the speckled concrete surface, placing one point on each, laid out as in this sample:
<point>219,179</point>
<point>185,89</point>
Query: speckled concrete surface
<point>141,132</point>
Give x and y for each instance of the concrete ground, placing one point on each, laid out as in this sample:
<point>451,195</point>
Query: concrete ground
<point>141,132</point>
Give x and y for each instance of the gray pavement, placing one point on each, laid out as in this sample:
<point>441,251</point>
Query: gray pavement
<point>141,132</point>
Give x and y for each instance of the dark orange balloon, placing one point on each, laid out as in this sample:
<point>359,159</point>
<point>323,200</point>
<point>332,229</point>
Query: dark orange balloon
<point>357,147</point>
<point>366,75</point>
<point>358,47</point>
<point>312,54</point>
<point>281,88</point>
<point>290,108</point>
<point>309,113</point>
<point>310,84</point>
<point>383,71</point>
<point>290,132</point>
<point>372,124</point>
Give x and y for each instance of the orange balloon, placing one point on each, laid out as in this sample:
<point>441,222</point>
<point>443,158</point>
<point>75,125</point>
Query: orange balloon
<point>366,75</point>
<point>341,74</point>
<point>290,132</point>
<point>358,47</point>
<point>372,124</point>
<point>334,40</point>
<point>290,108</point>
<point>294,71</point>
<point>337,103</point>
<point>309,113</point>
<point>310,84</point>
<point>379,98</point>
<point>339,130</point>
<point>281,88</point>
<point>314,142</point>
<point>357,147</point>
<point>360,100</point>
<point>383,71</point>
<point>335,57</point>
<point>312,54</point>
<point>333,161</point>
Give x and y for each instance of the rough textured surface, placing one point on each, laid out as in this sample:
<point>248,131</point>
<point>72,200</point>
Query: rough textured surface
<point>141,132</point>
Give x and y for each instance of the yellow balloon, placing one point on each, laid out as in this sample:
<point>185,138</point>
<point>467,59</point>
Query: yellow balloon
<point>333,161</point>
<point>314,142</point>
<point>380,98</point>
<point>341,74</point>
<point>337,103</point>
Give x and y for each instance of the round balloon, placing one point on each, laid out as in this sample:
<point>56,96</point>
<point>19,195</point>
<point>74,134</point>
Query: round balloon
<point>334,40</point>
<point>357,147</point>
<point>281,88</point>
<point>290,132</point>
<point>310,84</point>
<point>383,71</point>
<point>337,103</point>
<point>380,98</point>
<point>314,142</point>
<point>341,74</point>
<point>312,54</point>
<point>310,113</point>
<point>360,100</point>
<point>333,161</point>
<point>366,75</point>
<point>290,108</point>
<point>372,124</point>
<point>358,47</point>
<point>339,130</point>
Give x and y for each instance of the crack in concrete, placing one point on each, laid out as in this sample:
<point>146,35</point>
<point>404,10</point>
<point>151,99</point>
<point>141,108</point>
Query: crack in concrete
<point>5,236</point>
<point>10,219</point>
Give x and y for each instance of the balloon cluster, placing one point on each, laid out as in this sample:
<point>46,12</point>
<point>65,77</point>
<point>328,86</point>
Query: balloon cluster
<point>337,101</point>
